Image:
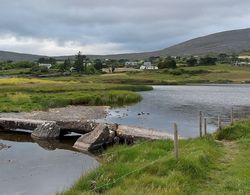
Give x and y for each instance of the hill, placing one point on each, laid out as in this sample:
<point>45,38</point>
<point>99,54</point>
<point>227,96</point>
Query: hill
<point>235,41</point>
<point>6,55</point>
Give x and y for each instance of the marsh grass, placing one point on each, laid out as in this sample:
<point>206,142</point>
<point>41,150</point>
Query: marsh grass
<point>23,94</point>
<point>22,81</point>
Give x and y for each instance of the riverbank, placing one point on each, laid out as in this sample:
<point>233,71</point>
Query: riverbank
<point>68,113</point>
<point>217,163</point>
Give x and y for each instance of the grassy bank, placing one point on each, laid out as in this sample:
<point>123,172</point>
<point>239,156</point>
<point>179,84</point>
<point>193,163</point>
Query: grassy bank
<point>26,94</point>
<point>206,166</point>
<point>23,94</point>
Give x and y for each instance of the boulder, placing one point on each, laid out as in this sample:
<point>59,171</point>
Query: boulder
<point>47,130</point>
<point>90,141</point>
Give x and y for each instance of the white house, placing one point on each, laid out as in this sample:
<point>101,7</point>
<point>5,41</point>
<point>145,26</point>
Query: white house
<point>45,65</point>
<point>242,63</point>
<point>148,66</point>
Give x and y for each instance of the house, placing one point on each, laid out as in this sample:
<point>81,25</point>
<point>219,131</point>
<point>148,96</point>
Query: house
<point>131,64</point>
<point>148,66</point>
<point>242,63</point>
<point>72,69</point>
<point>45,65</point>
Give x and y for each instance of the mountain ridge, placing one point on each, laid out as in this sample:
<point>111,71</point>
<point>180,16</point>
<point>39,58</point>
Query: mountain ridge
<point>233,41</point>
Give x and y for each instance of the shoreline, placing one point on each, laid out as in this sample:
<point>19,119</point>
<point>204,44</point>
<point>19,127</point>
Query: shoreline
<point>68,113</point>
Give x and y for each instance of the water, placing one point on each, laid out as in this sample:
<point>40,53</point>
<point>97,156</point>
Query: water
<point>40,167</point>
<point>44,167</point>
<point>166,105</point>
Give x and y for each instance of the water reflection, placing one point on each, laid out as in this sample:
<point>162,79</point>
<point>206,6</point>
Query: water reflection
<point>31,166</point>
<point>64,143</point>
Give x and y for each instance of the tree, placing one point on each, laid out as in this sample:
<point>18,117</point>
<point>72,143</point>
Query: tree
<point>65,66</point>
<point>111,64</point>
<point>208,61</point>
<point>98,64</point>
<point>47,61</point>
<point>192,61</point>
<point>167,63</point>
<point>79,62</point>
<point>234,58</point>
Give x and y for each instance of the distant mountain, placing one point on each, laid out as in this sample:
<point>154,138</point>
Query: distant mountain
<point>235,41</point>
<point>6,55</point>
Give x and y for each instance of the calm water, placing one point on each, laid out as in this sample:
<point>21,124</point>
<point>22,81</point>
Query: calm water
<point>31,167</point>
<point>181,104</point>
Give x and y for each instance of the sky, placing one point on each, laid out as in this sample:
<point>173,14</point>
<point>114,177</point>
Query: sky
<point>64,27</point>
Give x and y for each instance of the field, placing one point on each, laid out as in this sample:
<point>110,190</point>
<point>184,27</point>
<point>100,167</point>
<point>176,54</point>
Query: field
<point>182,75</point>
<point>215,164</point>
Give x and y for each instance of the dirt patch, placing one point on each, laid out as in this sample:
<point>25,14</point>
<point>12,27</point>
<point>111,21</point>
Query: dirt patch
<point>69,113</point>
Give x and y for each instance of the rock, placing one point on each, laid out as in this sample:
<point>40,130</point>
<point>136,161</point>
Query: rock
<point>116,140</point>
<point>90,141</point>
<point>3,146</point>
<point>47,130</point>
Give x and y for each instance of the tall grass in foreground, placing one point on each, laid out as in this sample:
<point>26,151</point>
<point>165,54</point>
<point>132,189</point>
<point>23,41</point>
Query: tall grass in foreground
<point>206,166</point>
<point>165,176</point>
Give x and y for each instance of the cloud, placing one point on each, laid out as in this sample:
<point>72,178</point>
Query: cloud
<point>51,47</point>
<point>61,27</point>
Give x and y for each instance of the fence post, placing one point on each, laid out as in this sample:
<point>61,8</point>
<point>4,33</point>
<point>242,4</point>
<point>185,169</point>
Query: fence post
<point>232,116</point>
<point>219,122</point>
<point>205,126</point>
<point>200,117</point>
<point>176,142</point>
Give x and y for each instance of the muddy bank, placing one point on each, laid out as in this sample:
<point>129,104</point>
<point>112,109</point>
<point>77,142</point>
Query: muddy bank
<point>69,113</point>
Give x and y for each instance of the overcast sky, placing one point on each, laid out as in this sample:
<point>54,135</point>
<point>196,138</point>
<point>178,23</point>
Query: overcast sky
<point>60,27</point>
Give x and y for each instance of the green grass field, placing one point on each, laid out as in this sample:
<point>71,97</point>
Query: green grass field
<point>206,166</point>
<point>182,75</point>
<point>24,94</point>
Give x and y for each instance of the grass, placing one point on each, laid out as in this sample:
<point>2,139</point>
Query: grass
<point>18,71</point>
<point>206,166</point>
<point>221,73</point>
<point>232,174</point>
<point>27,94</point>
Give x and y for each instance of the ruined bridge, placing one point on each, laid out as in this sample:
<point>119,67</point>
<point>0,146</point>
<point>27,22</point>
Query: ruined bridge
<point>93,134</point>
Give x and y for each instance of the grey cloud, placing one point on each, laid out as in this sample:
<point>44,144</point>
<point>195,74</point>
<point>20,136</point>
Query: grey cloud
<point>138,25</point>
